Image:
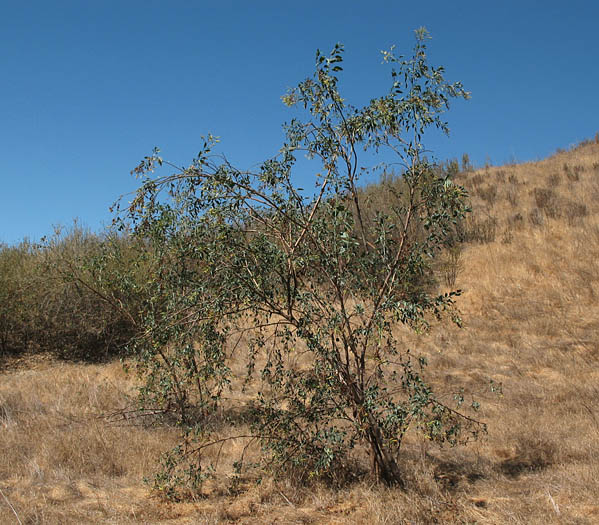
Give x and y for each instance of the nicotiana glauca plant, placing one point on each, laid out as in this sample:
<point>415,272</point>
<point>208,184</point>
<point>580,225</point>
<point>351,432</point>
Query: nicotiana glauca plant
<point>312,287</point>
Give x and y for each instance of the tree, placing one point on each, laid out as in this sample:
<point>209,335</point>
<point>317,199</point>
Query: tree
<point>314,286</point>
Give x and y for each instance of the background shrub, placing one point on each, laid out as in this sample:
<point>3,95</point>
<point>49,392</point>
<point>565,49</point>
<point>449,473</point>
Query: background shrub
<point>63,295</point>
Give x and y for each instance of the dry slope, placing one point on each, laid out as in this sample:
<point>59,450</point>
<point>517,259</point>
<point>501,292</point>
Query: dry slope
<point>531,289</point>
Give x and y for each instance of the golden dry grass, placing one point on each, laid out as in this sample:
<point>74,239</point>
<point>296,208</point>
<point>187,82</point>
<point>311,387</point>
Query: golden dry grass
<point>531,323</point>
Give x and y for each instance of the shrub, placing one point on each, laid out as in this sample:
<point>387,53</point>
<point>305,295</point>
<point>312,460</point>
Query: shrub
<point>536,217</point>
<point>15,282</point>
<point>314,286</point>
<point>512,196</point>
<point>573,172</point>
<point>554,179</point>
<point>60,296</point>
<point>488,194</point>
<point>547,201</point>
<point>516,221</point>
<point>481,230</point>
<point>575,211</point>
<point>466,164</point>
<point>500,176</point>
<point>451,264</point>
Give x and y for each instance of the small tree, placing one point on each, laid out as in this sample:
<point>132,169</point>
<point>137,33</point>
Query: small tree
<point>316,285</point>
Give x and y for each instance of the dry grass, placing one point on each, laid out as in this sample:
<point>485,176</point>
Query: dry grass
<point>531,323</point>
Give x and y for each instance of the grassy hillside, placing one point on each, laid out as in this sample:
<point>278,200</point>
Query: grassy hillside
<point>75,450</point>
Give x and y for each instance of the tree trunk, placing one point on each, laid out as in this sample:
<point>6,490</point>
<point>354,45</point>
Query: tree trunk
<point>384,465</point>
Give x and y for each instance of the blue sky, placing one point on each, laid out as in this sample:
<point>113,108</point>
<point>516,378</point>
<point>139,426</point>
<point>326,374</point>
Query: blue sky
<point>89,87</point>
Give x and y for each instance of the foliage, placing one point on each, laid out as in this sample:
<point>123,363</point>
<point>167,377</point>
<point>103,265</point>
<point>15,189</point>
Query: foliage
<point>13,266</point>
<point>309,288</point>
<point>63,296</point>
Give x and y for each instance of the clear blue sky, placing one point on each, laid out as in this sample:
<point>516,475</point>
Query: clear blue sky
<point>89,87</point>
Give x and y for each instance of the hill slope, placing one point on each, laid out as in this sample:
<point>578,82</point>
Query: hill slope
<point>530,279</point>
